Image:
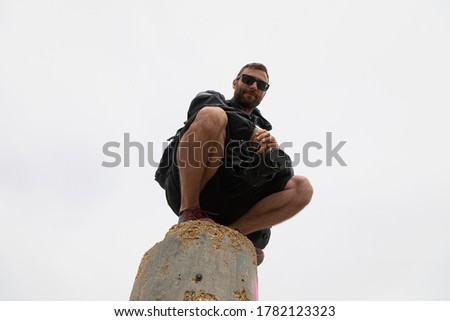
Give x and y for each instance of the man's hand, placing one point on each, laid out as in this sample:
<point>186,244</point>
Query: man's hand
<point>264,140</point>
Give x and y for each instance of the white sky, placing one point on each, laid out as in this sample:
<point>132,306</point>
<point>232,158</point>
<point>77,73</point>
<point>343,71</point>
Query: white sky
<point>77,74</point>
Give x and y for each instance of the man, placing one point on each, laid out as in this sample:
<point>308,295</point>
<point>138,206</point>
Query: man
<point>225,166</point>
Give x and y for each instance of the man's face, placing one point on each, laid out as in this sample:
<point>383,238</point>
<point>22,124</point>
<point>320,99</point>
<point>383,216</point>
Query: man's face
<point>249,96</point>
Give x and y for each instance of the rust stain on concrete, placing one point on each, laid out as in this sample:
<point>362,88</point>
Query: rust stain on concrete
<point>241,296</point>
<point>144,261</point>
<point>201,296</point>
<point>191,230</point>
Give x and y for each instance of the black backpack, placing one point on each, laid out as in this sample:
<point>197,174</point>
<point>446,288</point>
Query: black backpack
<point>167,159</point>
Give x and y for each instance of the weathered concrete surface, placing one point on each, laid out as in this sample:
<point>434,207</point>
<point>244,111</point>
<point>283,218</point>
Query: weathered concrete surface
<point>198,260</point>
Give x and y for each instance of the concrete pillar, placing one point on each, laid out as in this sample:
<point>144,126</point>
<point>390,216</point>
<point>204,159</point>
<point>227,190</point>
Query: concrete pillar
<point>198,261</point>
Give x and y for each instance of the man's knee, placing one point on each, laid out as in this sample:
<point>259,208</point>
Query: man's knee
<point>203,141</point>
<point>211,118</point>
<point>303,188</point>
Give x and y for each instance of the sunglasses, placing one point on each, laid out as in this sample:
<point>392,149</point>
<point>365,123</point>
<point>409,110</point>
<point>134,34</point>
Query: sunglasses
<point>249,80</point>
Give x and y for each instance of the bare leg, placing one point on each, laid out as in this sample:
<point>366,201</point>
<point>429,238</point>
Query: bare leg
<point>277,207</point>
<point>200,153</point>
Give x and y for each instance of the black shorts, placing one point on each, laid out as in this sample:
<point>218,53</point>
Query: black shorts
<point>226,194</point>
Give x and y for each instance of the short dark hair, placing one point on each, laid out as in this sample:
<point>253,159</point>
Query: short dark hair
<point>254,65</point>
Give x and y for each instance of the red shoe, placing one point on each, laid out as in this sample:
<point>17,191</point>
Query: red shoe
<point>194,214</point>
<point>259,252</point>
<point>259,256</point>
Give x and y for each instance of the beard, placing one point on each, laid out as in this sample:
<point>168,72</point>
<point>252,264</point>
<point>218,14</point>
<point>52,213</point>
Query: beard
<point>246,99</point>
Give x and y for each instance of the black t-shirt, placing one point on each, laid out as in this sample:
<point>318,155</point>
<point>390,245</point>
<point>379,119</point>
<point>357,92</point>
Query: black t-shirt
<point>240,124</point>
<point>240,157</point>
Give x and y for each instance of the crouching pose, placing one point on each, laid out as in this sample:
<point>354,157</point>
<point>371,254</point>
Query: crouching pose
<point>223,165</point>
